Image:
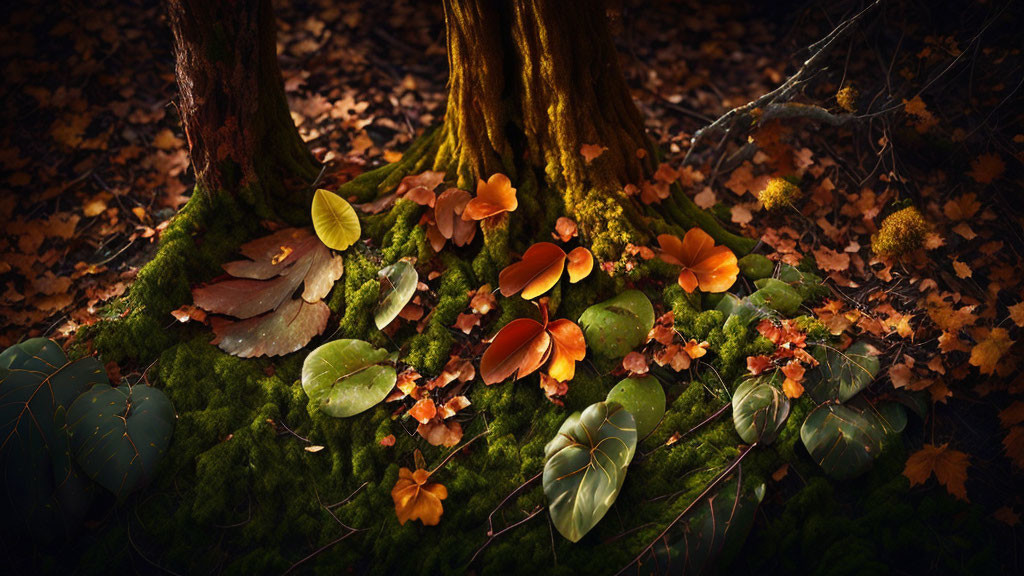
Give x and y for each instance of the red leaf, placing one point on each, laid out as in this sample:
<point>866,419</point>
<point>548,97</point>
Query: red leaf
<point>535,274</point>
<point>519,349</point>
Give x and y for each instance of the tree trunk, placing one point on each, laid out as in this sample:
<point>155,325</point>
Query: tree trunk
<point>232,104</point>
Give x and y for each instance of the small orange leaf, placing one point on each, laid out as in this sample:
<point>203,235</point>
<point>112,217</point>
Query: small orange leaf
<point>635,363</point>
<point>949,467</point>
<point>492,197</point>
<point>535,274</point>
<point>694,349</point>
<point>429,180</point>
<point>519,349</point>
<point>565,229</point>
<point>709,267</point>
<point>758,364</point>
<point>423,411</point>
<point>581,263</point>
<point>568,348</point>
<point>417,499</point>
<point>591,151</point>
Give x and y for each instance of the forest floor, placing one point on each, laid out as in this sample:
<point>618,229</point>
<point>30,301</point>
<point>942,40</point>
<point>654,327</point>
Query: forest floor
<point>94,164</point>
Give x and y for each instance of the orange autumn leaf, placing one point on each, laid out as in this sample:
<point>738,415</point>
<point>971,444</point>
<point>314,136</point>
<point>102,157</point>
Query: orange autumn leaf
<point>492,197</point>
<point>987,352</point>
<point>519,349</point>
<point>581,263</point>
<point>423,411</point>
<point>709,267</point>
<point>568,348</point>
<point>794,372</point>
<point>427,180</point>
<point>417,499</point>
<point>949,467</point>
<point>591,151</point>
<point>635,363</point>
<point>986,168</point>
<point>535,274</point>
<point>758,364</point>
<point>695,350</point>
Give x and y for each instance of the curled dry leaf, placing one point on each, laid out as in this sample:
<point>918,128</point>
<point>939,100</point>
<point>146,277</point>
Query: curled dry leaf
<point>535,274</point>
<point>635,363</point>
<point>439,432</point>
<point>492,198</point>
<point>581,263</point>
<point>448,210</point>
<point>709,267</point>
<point>423,411</point>
<point>427,180</point>
<point>565,229</point>
<point>417,499</point>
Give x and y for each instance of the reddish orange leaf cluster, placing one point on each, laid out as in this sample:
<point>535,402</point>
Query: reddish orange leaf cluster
<point>790,343</point>
<point>666,347</point>
<point>435,405</point>
<point>541,268</point>
<point>706,266</point>
<point>524,345</point>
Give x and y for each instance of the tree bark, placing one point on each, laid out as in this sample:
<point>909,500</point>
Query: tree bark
<point>232,104</point>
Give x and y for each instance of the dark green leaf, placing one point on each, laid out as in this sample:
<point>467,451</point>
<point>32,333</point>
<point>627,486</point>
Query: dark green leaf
<point>842,439</point>
<point>841,375</point>
<point>644,398</point>
<point>776,295</point>
<point>397,287</point>
<point>615,327</point>
<point>119,435</point>
<point>759,410</point>
<point>584,476</point>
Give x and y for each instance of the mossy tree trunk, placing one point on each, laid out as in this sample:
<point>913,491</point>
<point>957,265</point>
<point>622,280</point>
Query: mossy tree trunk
<point>232,104</point>
<point>531,82</point>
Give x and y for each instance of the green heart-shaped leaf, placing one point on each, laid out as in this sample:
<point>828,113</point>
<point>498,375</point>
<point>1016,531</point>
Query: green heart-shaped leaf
<point>346,377</point>
<point>583,477</point>
<point>843,440</point>
<point>715,530</point>
<point>119,435</point>
<point>842,374</point>
<point>777,295</point>
<point>644,398</point>
<point>334,220</point>
<point>397,286</point>
<point>42,487</point>
<point>759,410</point>
<point>616,326</point>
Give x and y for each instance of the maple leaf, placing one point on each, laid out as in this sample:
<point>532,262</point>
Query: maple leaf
<point>417,499</point>
<point>987,353</point>
<point>709,267</point>
<point>492,198</point>
<point>948,465</point>
<point>986,168</point>
<point>1017,313</point>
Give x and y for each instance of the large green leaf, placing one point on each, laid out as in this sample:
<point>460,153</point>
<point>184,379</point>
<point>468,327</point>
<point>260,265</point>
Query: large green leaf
<point>615,327</point>
<point>42,487</point>
<point>759,410</point>
<point>584,476</point>
<point>776,295</point>
<point>842,439</point>
<point>397,286</point>
<point>841,374</point>
<point>644,398</point>
<point>346,377</point>
<point>715,530</point>
<point>119,435</point>
<point>741,308</point>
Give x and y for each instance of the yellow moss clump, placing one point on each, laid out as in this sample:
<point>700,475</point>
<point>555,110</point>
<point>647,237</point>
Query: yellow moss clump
<point>901,232</point>
<point>778,193</point>
<point>847,98</point>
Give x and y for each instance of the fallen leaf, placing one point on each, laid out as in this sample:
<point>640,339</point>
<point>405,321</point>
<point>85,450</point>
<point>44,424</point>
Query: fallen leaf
<point>581,263</point>
<point>417,499</point>
<point>709,267</point>
<point>948,465</point>
<point>987,353</point>
<point>537,272</point>
<point>591,151</point>
<point>986,168</point>
<point>492,197</point>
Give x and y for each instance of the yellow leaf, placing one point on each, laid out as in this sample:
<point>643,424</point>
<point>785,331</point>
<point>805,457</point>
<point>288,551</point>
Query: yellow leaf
<point>334,220</point>
<point>1017,313</point>
<point>987,353</point>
